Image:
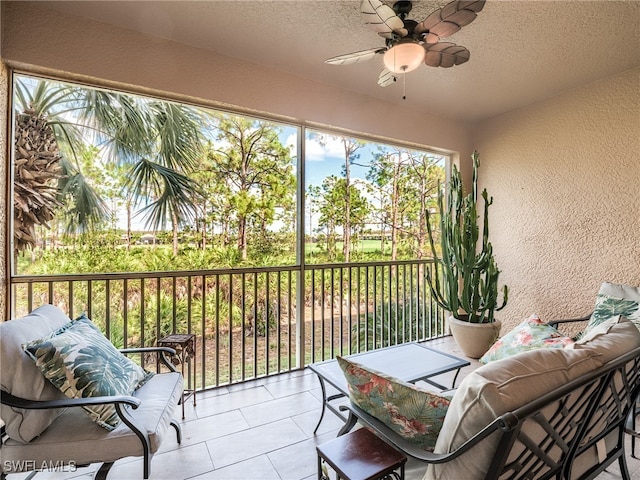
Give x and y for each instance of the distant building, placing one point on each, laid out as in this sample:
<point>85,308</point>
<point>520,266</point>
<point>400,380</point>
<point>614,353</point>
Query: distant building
<point>148,239</point>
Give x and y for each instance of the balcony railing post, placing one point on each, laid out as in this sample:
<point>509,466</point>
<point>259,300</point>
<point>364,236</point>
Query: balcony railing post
<point>301,239</point>
<point>300,317</point>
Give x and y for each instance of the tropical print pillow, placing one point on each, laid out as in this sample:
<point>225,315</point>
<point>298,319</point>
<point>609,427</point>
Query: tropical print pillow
<point>413,413</point>
<point>608,307</point>
<point>531,334</point>
<point>81,362</point>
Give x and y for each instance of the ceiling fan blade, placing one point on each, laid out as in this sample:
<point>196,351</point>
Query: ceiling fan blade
<point>431,38</point>
<point>355,57</point>
<point>445,55</point>
<point>386,78</point>
<point>450,18</point>
<point>381,18</point>
<point>398,32</point>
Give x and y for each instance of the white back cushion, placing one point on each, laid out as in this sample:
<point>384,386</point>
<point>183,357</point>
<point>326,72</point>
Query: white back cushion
<point>497,388</point>
<point>19,375</point>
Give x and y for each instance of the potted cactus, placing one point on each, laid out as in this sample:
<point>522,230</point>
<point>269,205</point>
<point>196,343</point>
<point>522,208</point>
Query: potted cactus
<point>465,278</point>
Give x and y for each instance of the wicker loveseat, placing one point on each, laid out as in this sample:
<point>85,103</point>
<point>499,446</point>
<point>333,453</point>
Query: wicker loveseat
<point>547,413</point>
<point>43,429</point>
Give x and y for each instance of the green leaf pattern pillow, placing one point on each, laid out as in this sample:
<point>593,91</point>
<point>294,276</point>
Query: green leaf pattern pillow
<point>608,307</point>
<point>414,413</point>
<point>80,361</point>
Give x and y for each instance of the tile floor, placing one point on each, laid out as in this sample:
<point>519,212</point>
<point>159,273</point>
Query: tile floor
<point>259,430</point>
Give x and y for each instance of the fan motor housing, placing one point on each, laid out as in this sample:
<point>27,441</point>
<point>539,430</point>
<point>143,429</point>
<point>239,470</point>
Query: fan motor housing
<point>402,8</point>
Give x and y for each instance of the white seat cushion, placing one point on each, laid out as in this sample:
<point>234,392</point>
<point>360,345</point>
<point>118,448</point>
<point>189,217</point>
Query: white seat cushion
<point>74,437</point>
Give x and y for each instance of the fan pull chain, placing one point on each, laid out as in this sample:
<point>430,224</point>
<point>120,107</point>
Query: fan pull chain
<point>404,86</point>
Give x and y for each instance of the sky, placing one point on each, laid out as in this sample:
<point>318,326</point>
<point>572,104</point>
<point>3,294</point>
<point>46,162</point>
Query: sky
<point>323,160</point>
<point>328,159</point>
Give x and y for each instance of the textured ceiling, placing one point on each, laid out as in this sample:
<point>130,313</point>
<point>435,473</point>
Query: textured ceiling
<point>521,51</point>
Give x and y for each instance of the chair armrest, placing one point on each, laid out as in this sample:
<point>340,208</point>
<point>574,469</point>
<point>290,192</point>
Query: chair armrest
<point>17,402</point>
<point>161,351</point>
<point>410,449</point>
<point>120,403</point>
<point>555,323</point>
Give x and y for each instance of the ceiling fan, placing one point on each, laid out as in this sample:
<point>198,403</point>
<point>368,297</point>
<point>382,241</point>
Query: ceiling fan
<point>408,43</point>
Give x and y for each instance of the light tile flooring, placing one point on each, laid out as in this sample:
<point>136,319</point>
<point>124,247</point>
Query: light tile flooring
<point>259,430</point>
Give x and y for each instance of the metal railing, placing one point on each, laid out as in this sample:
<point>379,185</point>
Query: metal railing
<point>250,322</point>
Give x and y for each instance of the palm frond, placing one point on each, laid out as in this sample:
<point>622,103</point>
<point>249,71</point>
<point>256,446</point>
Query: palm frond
<point>171,191</point>
<point>86,208</point>
<point>121,122</point>
<point>178,130</point>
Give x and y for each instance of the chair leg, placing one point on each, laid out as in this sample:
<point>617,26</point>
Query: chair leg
<point>3,476</point>
<point>348,425</point>
<point>633,427</point>
<point>178,430</point>
<point>103,471</point>
<point>624,470</point>
<point>146,461</point>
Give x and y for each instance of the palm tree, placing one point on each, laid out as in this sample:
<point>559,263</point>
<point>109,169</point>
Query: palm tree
<point>37,169</point>
<point>41,169</point>
<point>158,141</point>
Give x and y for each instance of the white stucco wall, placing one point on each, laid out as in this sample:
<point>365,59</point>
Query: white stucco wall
<point>565,176</point>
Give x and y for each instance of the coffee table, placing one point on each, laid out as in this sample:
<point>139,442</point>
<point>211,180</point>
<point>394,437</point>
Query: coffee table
<point>409,362</point>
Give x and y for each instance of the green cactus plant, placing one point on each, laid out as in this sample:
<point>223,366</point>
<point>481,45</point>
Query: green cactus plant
<point>465,278</point>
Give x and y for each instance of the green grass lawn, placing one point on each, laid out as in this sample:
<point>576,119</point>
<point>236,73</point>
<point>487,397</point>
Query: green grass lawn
<point>363,246</point>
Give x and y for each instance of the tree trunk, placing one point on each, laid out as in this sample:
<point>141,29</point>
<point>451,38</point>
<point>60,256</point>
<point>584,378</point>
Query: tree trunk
<point>346,234</point>
<point>422,231</point>
<point>204,226</point>
<point>128,225</point>
<point>242,236</point>
<point>36,173</point>
<point>174,222</point>
<point>394,218</point>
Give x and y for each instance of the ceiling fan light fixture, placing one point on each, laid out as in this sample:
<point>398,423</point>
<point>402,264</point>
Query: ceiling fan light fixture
<point>404,56</point>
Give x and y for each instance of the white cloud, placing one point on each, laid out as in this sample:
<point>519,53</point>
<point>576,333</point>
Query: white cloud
<point>316,152</point>
<point>292,142</point>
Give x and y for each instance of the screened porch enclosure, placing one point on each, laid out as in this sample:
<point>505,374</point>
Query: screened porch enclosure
<point>277,245</point>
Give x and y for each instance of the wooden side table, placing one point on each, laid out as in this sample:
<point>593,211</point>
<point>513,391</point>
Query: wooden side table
<point>185,346</point>
<point>361,455</point>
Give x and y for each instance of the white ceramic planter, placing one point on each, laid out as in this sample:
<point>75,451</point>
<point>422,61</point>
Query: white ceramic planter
<point>474,339</point>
